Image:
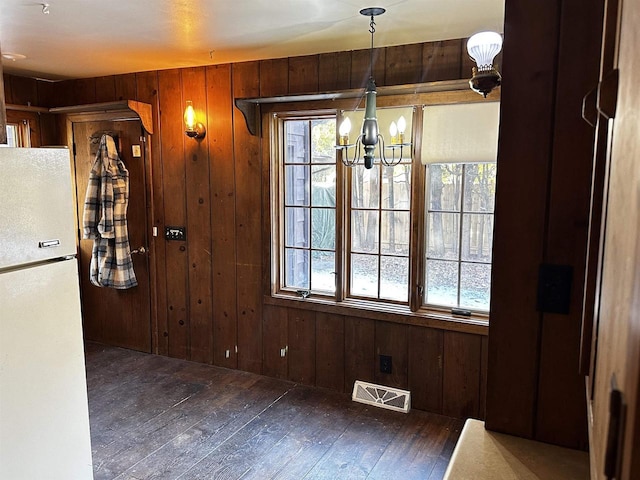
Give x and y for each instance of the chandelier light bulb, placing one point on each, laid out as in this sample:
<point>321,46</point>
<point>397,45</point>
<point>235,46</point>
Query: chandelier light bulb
<point>402,124</point>
<point>345,127</point>
<point>393,130</point>
<point>483,48</point>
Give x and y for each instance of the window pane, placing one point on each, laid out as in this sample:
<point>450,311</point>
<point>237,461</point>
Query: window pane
<point>475,286</point>
<point>445,186</point>
<point>364,231</point>
<point>365,191</point>
<point>480,187</point>
<point>477,237</point>
<point>297,268</point>
<point>442,283</point>
<point>323,231</point>
<point>394,278</point>
<point>323,139</point>
<point>364,275</point>
<point>297,140</point>
<point>323,267</point>
<point>323,185</point>
<point>297,227</point>
<point>443,236</point>
<point>396,187</point>
<point>296,187</point>
<point>395,233</point>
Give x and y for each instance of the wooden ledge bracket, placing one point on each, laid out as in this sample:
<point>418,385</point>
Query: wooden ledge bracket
<point>123,108</point>
<point>250,107</point>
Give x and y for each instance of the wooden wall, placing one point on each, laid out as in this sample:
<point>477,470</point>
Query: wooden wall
<point>210,288</point>
<point>535,388</point>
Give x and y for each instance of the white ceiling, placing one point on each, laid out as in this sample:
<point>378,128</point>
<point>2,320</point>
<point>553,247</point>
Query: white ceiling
<point>88,38</point>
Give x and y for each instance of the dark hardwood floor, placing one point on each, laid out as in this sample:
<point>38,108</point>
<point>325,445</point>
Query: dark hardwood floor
<point>154,417</point>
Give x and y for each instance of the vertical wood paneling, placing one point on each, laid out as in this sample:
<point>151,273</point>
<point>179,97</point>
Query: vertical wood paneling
<point>146,90</point>
<point>106,89</point>
<point>391,339</point>
<point>274,77</point>
<point>84,91</point>
<point>329,351</point>
<point>303,74</point>
<point>515,322</point>
<point>248,223</point>
<point>198,198</point>
<point>334,71</point>
<point>223,220</point>
<point>484,360</point>
<point>360,72</point>
<point>403,64</point>
<point>46,94</point>
<point>359,351</point>
<point>441,61</point>
<point>173,184</point>
<point>275,337</point>
<point>302,342</point>
<point>7,89</point>
<point>426,353</point>
<point>125,85</point>
<point>461,375</point>
<point>561,407</point>
<point>24,91</point>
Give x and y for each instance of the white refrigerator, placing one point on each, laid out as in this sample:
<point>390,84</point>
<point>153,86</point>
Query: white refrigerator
<point>44,415</point>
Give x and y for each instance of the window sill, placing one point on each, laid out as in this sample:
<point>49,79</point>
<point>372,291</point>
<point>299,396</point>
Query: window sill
<point>385,312</point>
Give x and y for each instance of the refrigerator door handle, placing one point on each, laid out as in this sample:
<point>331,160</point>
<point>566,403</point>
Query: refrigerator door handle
<point>49,243</point>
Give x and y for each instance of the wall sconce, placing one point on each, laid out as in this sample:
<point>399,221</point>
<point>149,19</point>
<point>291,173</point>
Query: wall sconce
<point>369,137</point>
<point>192,127</point>
<point>483,48</point>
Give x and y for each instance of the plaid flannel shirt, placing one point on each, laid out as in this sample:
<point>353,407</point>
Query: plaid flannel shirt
<point>105,219</point>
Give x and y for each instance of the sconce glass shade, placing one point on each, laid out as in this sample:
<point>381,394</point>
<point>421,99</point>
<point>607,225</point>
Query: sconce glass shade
<point>192,127</point>
<point>483,48</point>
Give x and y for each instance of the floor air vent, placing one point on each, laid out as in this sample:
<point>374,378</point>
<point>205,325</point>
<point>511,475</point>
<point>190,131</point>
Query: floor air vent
<point>381,396</point>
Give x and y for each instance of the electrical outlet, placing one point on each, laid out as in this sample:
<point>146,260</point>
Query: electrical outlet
<point>385,364</point>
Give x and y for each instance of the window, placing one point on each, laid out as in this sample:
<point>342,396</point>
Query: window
<point>309,205</point>
<point>409,236</point>
<point>18,135</point>
<point>460,202</point>
<point>380,231</point>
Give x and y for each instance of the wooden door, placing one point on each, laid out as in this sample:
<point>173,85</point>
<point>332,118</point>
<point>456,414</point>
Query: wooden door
<point>615,452</point>
<point>116,317</point>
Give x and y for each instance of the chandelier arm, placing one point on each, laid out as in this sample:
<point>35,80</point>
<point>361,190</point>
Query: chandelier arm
<point>383,157</point>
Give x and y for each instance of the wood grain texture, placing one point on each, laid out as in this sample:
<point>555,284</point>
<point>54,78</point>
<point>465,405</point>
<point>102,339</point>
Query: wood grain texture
<point>274,77</point>
<point>223,223</point>
<point>248,170</point>
<point>198,204</point>
<point>173,185</point>
<point>329,351</point>
<point>106,89</point>
<point>426,357</point>
<point>125,85</point>
<point>561,407</point>
<point>302,341</point>
<point>359,351</point>
<point>442,61</point>
<point>24,91</point>
<point>334,71</point>
<point>391,340</point>
<point>403,64</point>
<point>515,323</point>
<point>360,67</point>
<point>146,90</point>
<point>275,333</point>
<point>7,90</point>
<point>303,74</point>
<point>461,375</point>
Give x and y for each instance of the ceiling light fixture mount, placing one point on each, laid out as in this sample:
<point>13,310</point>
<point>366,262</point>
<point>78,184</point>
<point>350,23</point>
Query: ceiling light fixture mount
<point>483,48</point>
<point>369,137</point>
